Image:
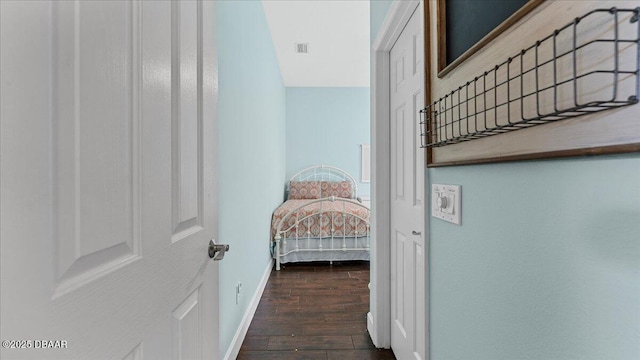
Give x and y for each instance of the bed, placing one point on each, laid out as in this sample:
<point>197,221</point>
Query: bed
<point>322,219</point>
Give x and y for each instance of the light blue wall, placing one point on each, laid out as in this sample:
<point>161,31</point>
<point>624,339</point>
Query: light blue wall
<point>546,264</point>
<point>251,124</point>
<point>326,126</point>
<point>377,12</point>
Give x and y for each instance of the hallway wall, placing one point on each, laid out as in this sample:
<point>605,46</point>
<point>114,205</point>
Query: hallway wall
<point>251,124</point>
<point>378,10</point>
<point>546,263</point>
<point>326,125</point>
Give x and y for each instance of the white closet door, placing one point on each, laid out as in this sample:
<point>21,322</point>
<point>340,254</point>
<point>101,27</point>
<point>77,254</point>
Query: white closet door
<point>408,282</point>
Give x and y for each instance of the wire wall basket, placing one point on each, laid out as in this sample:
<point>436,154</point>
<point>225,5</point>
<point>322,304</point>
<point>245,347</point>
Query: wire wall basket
<point>587,66</point>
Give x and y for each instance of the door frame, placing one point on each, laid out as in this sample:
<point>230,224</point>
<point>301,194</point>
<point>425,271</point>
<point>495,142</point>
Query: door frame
<point>379,317</point>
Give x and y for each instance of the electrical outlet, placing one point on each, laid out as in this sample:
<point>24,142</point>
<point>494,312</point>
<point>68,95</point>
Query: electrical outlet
<point>238,290</point>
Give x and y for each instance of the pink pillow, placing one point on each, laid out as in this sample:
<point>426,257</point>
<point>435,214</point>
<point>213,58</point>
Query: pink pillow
<point>304,190</point>
<point>341,189</point>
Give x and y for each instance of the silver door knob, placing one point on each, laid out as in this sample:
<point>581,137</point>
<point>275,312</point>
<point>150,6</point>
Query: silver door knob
<point>217,251</point>
<point>416,232</point>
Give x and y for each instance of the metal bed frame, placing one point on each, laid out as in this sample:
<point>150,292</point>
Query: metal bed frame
<point>338,244</point>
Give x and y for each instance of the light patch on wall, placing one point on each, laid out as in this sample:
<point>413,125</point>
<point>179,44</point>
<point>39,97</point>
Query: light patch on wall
<point>366,163</point>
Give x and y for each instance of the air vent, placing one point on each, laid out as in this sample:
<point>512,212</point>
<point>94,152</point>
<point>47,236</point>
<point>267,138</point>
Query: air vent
<point>302,48</point>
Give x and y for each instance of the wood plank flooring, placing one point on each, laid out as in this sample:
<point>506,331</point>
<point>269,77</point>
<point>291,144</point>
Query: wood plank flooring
<point>313,311</point>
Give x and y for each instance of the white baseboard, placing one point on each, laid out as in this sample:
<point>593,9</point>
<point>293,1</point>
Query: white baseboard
<point>372,332</point>
<point>370,328</point>
<point>238,338</point>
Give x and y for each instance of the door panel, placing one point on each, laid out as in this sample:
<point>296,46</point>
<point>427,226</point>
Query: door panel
<point>400,277</point>
<point>187,122</point>
<point>408,277</point>
<point>135,354</point>
<point>399,152</point>
<point>187,332</point>
<point>399,75</point>
<point>92,240</point>
<point>420,335</point>
<point>107,189</point>
<point>418,159</point>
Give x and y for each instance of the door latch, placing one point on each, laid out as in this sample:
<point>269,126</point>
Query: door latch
<point>216,252</point>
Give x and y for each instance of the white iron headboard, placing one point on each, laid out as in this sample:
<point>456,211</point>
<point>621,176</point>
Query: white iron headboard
<point>325,173</point>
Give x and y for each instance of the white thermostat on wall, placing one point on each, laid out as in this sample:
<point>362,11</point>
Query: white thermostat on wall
<point>445,202</point>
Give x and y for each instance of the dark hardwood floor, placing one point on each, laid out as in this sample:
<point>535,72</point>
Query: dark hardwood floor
<point>313,311</point>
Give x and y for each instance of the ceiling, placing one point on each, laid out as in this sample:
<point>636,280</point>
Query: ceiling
<point>338,36</point>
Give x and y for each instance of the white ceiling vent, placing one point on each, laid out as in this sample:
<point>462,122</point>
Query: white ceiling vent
<point>302,48</point>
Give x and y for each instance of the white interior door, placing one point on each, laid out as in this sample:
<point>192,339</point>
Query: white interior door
<point>408,273</point>
<point>108,195</point>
